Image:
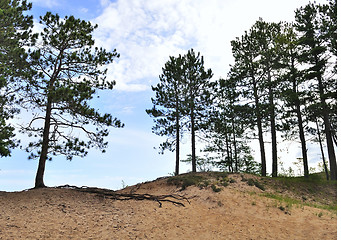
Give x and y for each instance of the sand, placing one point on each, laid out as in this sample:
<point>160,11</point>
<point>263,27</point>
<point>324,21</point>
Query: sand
<point>237,212</point>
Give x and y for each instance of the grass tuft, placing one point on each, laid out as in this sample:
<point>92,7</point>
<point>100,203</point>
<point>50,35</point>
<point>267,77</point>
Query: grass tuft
<point>185,181</point>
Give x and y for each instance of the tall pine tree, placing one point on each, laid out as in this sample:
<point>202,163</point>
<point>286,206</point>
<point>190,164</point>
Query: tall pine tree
<point>294,93</point>
<point>249,77</point>
<point>197,95</point>
<point>318,43</point>
<point>69,73</point>
<point>167,109</point>
<point>183,98</point>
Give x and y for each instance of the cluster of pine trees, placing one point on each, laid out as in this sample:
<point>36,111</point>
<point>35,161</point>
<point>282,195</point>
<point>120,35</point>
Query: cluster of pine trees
<point>283,81</point>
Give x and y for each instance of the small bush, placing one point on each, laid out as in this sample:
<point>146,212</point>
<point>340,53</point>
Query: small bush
<point>215,188</point>
<point>252,182</point>
<point>225,183</point>
<point>243,178</point>
<point>221,175</point>
<point>203,184</point>
<point>232,180</point>
<point>259,185</point>
<point>185,181</point>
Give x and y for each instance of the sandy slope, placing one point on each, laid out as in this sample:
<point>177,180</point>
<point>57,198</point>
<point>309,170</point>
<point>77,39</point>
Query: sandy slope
<point>237,212</point>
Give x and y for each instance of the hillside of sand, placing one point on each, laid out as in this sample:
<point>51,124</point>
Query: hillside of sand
<point>199,206</point>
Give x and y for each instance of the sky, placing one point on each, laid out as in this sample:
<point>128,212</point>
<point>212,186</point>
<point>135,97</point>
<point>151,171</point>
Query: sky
<point>146,33</point>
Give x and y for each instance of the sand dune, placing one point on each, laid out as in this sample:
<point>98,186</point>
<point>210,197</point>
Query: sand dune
<point>238,211</point>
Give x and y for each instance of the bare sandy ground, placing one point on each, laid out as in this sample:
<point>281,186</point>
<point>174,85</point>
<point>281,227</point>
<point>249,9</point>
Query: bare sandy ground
<point>237,212</point>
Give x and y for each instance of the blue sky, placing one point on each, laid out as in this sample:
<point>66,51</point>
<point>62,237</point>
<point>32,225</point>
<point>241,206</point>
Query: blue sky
<point>145,33</point>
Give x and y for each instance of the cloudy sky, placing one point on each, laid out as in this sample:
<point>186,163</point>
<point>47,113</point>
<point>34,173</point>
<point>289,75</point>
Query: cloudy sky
<point>145,33</point>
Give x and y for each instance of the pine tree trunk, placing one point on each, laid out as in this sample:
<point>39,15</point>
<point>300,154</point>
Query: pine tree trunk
<point>322,152</point>
<point>39,181</point>
<point>273,129</point>
<point>229,160</point>
<point>194,163</point>
<point>300,120</point>
<point>303,142</point>
<point>330,146</point>
<point>261,145</point>
<point>260,130</point>
<point>177,151</point>
<point>235,147</point>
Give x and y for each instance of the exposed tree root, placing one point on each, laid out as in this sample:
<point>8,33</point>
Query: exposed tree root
<point>171,198</point>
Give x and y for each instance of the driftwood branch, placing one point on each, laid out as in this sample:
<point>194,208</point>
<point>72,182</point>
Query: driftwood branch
<point>171,198</point>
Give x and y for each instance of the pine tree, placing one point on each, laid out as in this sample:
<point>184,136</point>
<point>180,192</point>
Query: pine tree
<point>293,93</point>
<point>69,73</point>
<point>249,77</point>
<point>167,109</point>
<point>226,129</point>
<point>183,98</point>
<point>197,95</point>
<point>318,43</point>
<point>15,33</point>
<point>266,35</point>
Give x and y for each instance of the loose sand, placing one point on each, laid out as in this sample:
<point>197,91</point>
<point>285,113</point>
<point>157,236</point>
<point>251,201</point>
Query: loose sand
<point>236,212</point>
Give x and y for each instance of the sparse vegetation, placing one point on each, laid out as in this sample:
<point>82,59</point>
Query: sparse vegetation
<point>253,182</point>
<point>124,209</point>
<point>215,188</point>
<point>185,180</point>
<point>314,191</point>
<point>212,179</point>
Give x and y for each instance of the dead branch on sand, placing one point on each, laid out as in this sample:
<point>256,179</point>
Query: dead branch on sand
<point>175,199</point>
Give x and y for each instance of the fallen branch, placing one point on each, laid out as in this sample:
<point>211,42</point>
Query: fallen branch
<point>171,198</point>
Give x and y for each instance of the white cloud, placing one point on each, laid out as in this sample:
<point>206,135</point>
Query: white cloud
<point>146,33</point>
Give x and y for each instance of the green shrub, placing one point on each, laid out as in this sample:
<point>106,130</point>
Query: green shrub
<point>185,181</point>
<point>244,179</point>
<point>232,180</point>
<point>215,188</point>
<point>259,185</point>
<point>225,183</point>
<point>252,182</point>
<point>203,184</point>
